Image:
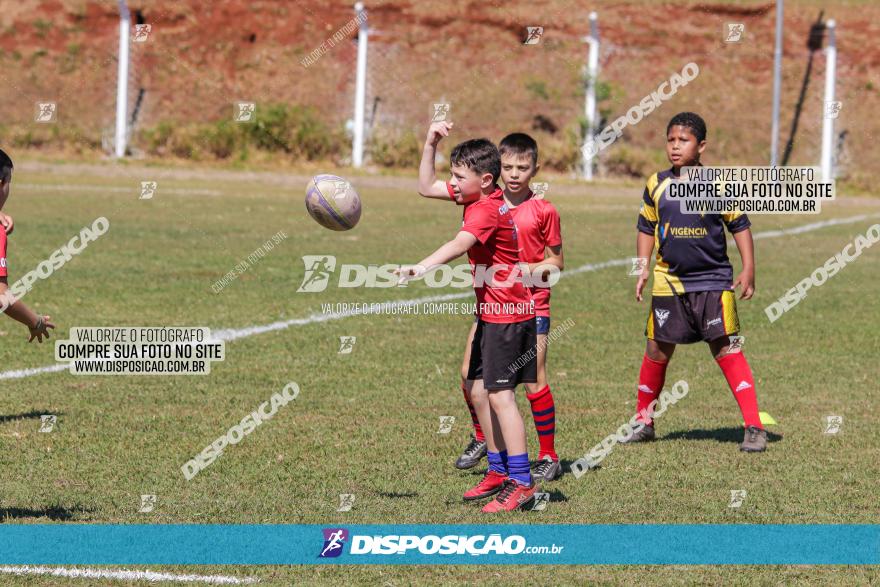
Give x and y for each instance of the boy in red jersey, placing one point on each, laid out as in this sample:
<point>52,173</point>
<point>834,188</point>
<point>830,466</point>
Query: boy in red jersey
<point>540,239</point>
<point>505,330</point>
<point>37,325</point>
<point>693,297</point>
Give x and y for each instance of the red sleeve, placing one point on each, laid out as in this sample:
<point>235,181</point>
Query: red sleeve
<point>550,226</point>
<point>3,270</point>
<point>481,220</point>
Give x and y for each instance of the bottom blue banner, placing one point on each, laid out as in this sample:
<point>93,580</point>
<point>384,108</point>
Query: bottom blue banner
<point>204,544</point>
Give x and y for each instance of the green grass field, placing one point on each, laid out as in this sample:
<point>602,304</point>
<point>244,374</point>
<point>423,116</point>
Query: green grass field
<point>366,423</point>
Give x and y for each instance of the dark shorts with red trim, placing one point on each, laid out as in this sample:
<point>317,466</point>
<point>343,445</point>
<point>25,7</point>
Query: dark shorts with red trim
<point>692,316</point>
<point>504,355</point>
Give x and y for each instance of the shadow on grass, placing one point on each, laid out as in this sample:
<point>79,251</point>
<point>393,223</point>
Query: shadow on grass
<point>556,496</point>
<point>27,415</point>
<point>717,434</point>
<point>566,467</point>
<point>396,494</point>
<point>55,513</point>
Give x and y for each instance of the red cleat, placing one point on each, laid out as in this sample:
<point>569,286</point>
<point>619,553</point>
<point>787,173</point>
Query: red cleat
<point>513,496</point>
<point>490,485</point>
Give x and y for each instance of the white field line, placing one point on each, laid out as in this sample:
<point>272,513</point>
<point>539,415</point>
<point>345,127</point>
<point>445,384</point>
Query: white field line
<point>125,575</point>
<point>22,373</point>
<point>135,190</point>
<point>236,333</point>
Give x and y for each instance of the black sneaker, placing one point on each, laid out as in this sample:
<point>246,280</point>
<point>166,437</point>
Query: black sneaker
<point>475,451</point>
<point>755,440</point>
<point>646,434</point>
<point>546,469</point>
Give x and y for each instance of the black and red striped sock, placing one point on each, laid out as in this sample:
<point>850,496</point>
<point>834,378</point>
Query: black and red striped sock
<point>478,431</point>
<point>544,413</point>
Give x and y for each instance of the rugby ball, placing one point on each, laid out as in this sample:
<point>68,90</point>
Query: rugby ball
<point>333,202</point>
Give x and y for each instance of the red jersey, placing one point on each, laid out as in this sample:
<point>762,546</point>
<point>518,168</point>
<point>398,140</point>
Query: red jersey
<point>538,224</point>
<point>3,271</point>
<point>491,222</point>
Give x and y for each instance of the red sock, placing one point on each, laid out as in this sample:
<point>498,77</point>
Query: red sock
<point>739,378</point>
<point>651,378</point>
<point>478,432</point>
<point>544,413</point>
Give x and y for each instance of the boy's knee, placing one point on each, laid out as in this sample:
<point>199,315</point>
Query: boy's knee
<point>499,398</point>
<point>719,347</point>
<point>659,351</point>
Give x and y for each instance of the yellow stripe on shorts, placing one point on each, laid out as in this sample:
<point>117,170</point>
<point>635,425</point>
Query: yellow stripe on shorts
<point>728,312</point>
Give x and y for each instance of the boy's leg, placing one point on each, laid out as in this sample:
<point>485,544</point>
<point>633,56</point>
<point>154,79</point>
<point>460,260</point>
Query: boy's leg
<point>669,319</point>
<point>719,317</point>
<point>509,432</point>
<point>483,409</point>
<point>652,376</point>
<point>547,466</point>
<point>476,448</point>
<point>541,398</point>
<point>508,424</point>
<point>496,476</point>
<point>739,377</point>
<point>508,360</point>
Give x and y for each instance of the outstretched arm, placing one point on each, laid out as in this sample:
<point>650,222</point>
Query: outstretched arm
<point>37,325</point>
<point>446,253</point>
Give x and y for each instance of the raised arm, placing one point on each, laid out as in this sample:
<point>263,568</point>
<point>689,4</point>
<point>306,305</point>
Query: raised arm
<point>429,185</point>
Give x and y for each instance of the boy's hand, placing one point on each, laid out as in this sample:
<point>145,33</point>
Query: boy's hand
<point>437,131</point>
<point>747,280</point>
<point>407,272</point>
<point>640,284</point>
<point>41,329</point>
<point>6,222</point>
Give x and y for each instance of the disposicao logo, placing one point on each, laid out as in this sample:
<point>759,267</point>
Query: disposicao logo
<point>334,539</point>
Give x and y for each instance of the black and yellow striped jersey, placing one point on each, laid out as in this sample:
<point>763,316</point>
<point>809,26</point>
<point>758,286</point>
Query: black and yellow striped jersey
<point>691,248</point>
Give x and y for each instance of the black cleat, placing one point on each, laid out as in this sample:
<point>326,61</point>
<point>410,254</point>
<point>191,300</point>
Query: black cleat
<point>646,434</point>
<point>471,456</point>
<point>546,469</point>
<point>755,440</point>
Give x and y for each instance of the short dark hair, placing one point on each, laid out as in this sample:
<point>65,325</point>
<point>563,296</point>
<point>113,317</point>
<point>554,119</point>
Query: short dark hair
<point>519,144</point>
<point>480,155</point>
<point>689,120</point>
<point>5,166</point>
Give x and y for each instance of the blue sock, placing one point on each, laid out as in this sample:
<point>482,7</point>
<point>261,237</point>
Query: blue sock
<point>504,460</point>
<point>518,465</point>
<point>496,463</point>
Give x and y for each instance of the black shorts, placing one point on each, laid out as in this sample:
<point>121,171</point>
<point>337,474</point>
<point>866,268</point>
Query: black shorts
<point>692,317</point>
<point>504,355</point>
